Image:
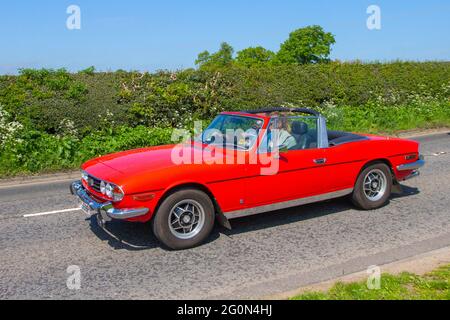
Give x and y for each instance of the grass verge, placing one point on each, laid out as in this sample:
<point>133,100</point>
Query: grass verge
<point>405,286</point>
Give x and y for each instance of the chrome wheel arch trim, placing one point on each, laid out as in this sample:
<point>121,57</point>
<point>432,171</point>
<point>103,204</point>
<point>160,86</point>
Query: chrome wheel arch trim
<point>286,204</point>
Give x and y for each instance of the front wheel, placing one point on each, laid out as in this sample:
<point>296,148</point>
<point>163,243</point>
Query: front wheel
<point>373,187</point>
<point>184,219</point>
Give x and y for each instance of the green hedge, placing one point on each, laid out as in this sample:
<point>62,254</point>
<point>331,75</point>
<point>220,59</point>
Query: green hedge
<point>35,151</point>
<point>55,101</point>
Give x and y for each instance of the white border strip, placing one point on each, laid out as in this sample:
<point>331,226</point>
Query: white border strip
<point>50,212</point>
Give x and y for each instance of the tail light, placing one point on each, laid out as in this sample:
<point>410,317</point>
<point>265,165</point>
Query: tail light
<point>411,156</point>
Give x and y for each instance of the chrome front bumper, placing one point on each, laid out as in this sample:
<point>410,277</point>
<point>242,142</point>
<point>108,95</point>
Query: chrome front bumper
<point>106,209</point>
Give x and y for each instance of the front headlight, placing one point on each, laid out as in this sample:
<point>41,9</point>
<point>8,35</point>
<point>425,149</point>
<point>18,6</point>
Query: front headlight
<point>109,190</point>
<point>103,187</point>
<point>114,192</point>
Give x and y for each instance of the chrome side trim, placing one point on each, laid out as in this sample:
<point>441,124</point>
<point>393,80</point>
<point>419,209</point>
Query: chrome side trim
<point>411,166</point>
<point>286,204</point>
<point>105,208</point>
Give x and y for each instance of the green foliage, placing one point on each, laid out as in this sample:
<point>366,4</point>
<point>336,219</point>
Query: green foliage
<point>119,139</point>
<point>343,84</point>
<point>89,71</point>
<point>405,286</point>
<point>43,98</point>
<point>35,151</point>
<point>77,91</point>
<point>254,56</point>
<point>9,129</point>
<point>375,117</point>
<point>220,59</point>
<point>48,100</point>
<point>172,99</point>
<point>306,45</point>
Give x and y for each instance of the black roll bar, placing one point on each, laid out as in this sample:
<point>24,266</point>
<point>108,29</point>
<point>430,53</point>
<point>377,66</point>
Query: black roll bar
<point>283,109</point>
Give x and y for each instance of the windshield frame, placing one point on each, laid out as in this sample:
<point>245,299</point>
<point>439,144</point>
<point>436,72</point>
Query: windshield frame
<point>232,146</point>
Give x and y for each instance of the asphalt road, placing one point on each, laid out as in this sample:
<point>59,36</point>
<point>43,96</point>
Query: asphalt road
<point>262,255</point>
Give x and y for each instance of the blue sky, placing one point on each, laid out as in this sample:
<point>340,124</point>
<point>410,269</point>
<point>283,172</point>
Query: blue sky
<point>151,35</point>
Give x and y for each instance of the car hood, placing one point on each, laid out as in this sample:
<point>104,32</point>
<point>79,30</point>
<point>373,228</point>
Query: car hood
<point>122,167</point>
<point>131,162</point>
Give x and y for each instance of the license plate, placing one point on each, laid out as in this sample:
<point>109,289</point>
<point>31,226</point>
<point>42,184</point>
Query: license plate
<point>87,210</point>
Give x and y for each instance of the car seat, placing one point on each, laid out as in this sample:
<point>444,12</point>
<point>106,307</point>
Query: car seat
<point>301,134</point>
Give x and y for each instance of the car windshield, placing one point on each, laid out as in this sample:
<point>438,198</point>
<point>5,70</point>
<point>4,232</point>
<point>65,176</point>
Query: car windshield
<point>232,131</point>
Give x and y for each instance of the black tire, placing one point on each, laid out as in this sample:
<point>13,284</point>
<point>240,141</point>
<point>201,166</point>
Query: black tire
<point>369,199</point>
<point>170,207</point>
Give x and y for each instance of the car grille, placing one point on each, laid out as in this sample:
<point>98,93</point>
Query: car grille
<point>94,183</point>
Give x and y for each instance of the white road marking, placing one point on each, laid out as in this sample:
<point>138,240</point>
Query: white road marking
<point>50,212</point>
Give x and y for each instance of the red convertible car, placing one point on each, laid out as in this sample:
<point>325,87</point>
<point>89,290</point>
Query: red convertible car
<point>245,163</point>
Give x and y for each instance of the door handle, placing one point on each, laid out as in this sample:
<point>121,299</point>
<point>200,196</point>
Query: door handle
<point>320,161</point>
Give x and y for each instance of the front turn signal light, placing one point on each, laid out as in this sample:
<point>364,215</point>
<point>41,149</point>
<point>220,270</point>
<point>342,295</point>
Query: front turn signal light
<point>144,197</point>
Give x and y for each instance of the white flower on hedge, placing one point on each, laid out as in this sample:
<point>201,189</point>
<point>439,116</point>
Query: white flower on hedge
<point>446,87</point>
<point>107,119</point>
<point>67,127</point>
<point>8,129</point>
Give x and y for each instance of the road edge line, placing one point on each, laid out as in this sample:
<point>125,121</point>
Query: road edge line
<point>32,215</point>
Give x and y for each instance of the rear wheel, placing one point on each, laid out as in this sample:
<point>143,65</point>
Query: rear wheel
<point>373,187</point>
<point>184,219</point>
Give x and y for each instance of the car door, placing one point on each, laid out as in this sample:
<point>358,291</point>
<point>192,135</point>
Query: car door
<point>299,170</point>
<point>344,163</point>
